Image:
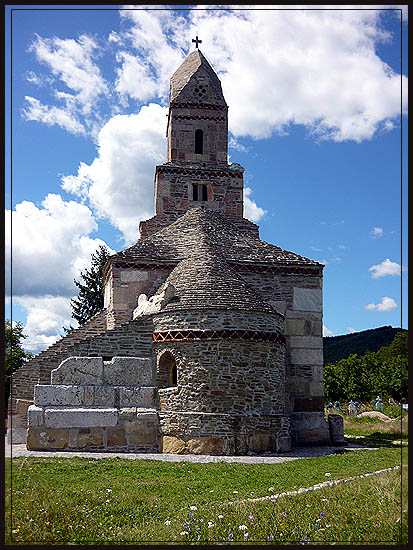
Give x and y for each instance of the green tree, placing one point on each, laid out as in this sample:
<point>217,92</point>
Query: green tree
<point>90,297</point>
<point>15,355</point>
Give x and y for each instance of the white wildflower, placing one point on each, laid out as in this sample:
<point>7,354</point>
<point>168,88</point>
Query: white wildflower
<point>167,522</point>
<point>243,527</point>
<point>194,508</point>
<point>210,524</point>
<point>184,533</point>
<point>327,474</point>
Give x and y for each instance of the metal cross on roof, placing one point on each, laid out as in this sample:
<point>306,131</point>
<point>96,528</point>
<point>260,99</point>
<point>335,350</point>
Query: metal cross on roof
<point>197,41</point>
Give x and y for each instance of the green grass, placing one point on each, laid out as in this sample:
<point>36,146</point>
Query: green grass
<point>112,501</point>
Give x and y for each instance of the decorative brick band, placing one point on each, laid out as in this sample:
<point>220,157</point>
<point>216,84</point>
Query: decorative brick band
<point>226,334</point>
<point>199,117</point>
<point>284,269</point>
<point>187,171</point>
<point>203,106</point>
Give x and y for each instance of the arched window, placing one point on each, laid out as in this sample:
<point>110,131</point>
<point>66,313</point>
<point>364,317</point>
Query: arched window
<point>199,142</point>
<point>204,192</point>
<point>167,370</point>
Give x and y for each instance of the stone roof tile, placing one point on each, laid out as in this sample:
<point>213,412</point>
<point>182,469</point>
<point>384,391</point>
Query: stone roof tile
<point>178,240</point>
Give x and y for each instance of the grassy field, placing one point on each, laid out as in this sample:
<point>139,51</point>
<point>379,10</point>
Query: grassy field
<point>115,501</point>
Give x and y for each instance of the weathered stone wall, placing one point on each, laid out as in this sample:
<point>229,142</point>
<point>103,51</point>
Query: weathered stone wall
<point>299,298</point>
<point>123,287</point>
<point>96,405</point>
<point>132,339</point>
<point>230,394</point>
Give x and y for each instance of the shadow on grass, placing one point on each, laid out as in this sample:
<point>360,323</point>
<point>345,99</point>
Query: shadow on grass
<point>379,439</point>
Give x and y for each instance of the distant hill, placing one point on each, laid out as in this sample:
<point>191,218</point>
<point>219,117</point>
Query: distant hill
<point>340,347</point>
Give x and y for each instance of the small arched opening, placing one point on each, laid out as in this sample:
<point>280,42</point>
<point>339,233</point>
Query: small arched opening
<point>199,142</point>
<point>167,370</point>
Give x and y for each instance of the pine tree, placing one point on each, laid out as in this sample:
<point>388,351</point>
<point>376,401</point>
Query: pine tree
<point>90,297</point>
<point>15,355</point>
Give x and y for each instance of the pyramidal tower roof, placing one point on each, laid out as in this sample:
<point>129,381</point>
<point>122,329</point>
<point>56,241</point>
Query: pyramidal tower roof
<point>195,62</point>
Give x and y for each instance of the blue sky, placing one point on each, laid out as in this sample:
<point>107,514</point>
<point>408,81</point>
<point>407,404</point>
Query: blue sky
<point>317,116</point>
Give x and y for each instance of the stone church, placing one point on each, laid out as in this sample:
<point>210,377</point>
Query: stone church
<point>210,340</point>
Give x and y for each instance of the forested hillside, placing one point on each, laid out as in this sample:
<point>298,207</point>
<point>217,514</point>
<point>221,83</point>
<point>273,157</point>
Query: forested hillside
<point>363,377</point>
<point>341,347</point>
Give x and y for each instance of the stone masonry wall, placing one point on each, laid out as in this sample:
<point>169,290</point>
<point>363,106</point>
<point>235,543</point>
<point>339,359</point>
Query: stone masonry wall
<point>299,298</point>
<point>96,405</point>
<point>134,338</point>
<point>123,287</point>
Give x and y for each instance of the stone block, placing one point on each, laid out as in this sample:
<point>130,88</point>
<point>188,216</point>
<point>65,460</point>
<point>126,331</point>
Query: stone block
<point>316,388</point>
<point>310,428</point>
<point>58,395</point>
<point>72,438</point>
<point>308,299</point>
<point>309,404</point>
<point>147,437</point>
<point>317,373</point>
<point>51,439</point>
<point>80,418</point>
<point>308,342</point>
<point>104,396</point>
<point>261,443</point>
<point>129,371</point>
<point>127,413</point>
<point>336,429</point>
<point>116,437</point>
<point>92,437</point>
<point>174,445</point>
<point>206,446</point>
<point>306,356</point>
<point>132,275</point>
<point>34,416</point>
<point>79,371</point>
<point>283,444</point>
<point>22,405</point>
<point>131,426</point>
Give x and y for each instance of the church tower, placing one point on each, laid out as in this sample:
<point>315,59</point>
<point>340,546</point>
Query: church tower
<point>196,172</point>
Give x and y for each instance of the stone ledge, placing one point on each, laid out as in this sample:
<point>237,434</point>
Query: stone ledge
<point>80,418</point>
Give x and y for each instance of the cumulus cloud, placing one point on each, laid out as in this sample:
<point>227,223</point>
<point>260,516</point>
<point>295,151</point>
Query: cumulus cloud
<point>376,232</point>
<point>323,71</point>
<point>327,332</point>
<point>52,116</point>
<point>46,316</point>
<point>119,182</point>
<point>50,246</point>
<point>351,329</point>
<point>251,210</point>
<point>386,304</point>
<point>386,267</point>
<point>71,61</point>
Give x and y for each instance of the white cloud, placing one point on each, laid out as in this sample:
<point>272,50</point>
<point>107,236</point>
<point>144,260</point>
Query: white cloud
<point>119,182</point>
<point>386,304</point>
<point>376,232</point>
<point>386,267</point>
<point>251,210</point>
<point>351,329</point>
<point>46,316</point>
<point>50,246</point>
<point>323,71</point>
<point>51,116</point>
<point>237,146</point>
<point>327,332</point>
<point>71,61</point>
